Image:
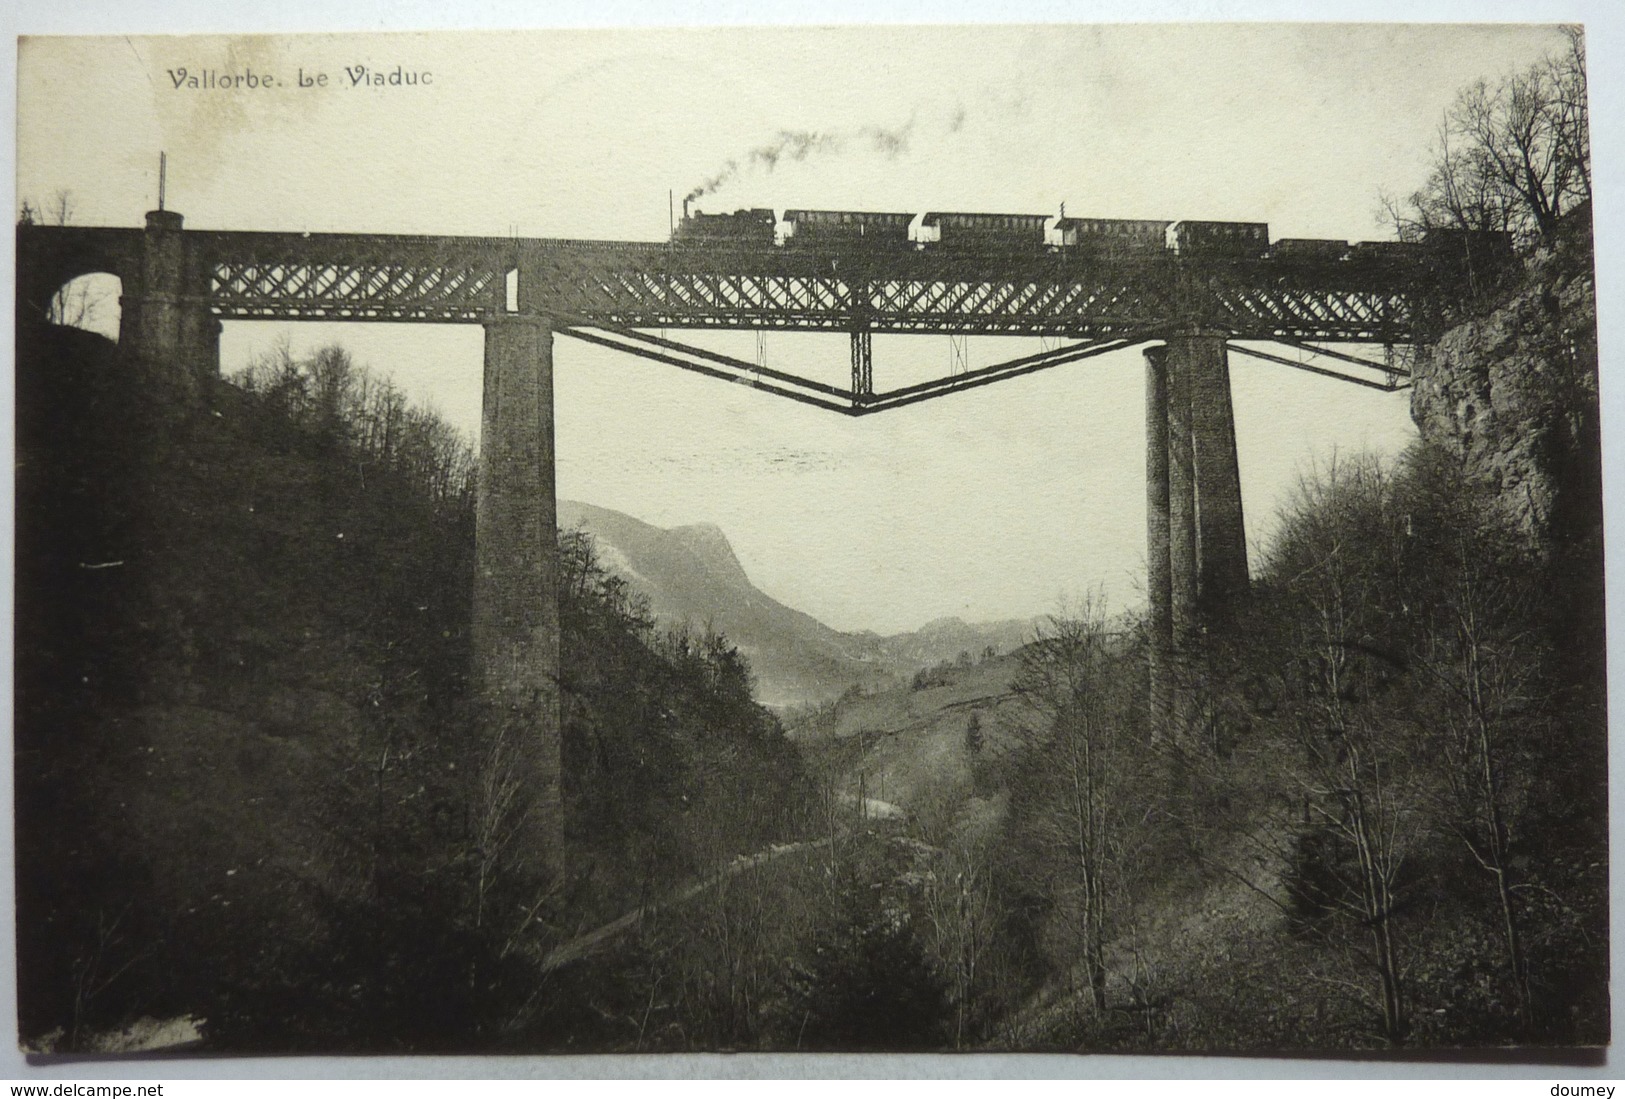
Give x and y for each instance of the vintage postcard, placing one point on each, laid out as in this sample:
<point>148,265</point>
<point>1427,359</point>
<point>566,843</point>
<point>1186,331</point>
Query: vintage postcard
<point>990,539</point>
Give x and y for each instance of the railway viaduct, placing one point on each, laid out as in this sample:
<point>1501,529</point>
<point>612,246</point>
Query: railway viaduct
<point>1184,310</point>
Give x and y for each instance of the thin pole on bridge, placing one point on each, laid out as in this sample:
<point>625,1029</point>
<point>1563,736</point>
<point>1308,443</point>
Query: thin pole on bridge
<point>163,167</point>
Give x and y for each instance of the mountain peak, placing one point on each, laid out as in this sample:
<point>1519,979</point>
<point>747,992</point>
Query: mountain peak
<point>711,548</point>
<point>691,574</point>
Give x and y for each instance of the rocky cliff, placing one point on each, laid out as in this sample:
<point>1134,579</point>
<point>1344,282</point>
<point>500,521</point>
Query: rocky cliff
<point>1513,391</point>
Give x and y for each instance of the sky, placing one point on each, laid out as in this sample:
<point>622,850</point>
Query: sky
<point>995,503</point>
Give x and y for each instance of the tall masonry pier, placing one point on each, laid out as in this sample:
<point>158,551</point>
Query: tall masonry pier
<point>516,610</point>
<point>1196,546</point>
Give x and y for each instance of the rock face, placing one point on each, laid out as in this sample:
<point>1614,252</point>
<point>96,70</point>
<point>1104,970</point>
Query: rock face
<point>1513,392</point>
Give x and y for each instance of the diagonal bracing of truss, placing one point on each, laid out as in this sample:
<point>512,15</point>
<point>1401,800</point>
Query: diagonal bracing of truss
<point>805,390</point>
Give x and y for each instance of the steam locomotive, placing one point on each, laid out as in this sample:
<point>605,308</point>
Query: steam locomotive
<point>739,227</point>
<point>1037,233</point>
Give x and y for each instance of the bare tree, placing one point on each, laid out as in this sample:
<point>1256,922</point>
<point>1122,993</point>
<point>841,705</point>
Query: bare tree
<point>80,303</point>
<point>498,817</point>
<point>344,404</point>
<point>1074,746</point>
<point>1513,154</point>
<point>1484,670</point>
<point>1571,113</point>
<point>962,918</point>
<point>1347,794</point>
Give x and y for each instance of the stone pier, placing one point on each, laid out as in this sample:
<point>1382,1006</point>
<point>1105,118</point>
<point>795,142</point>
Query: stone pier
<point>1220,539</point>
<point>516,614</point>
<point>1196,549</point>
<point>166,328</point>
<point>1158,574</point>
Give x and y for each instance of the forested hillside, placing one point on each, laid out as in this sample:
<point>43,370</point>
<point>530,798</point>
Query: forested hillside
<point>250,784</point>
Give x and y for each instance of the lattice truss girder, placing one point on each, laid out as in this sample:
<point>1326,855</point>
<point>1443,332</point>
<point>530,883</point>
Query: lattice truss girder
<point>653,286</point>
<point>656,299</point>
<point>364,283</point>
<point>1304,314</point>
<point>1060,308</point>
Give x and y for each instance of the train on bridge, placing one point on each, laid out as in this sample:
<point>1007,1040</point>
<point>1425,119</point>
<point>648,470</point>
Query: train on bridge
<point>1107,238</point>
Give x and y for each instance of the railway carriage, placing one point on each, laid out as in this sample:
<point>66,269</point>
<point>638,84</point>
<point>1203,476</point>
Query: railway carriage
<point>1237,239</point>
<point>1112,236</point>
<point>987,232</point>
<point>1368,251</point>
<point>845,228</point>
<point>1310,248</point>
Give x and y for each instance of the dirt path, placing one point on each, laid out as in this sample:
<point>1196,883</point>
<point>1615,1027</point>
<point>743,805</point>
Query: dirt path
<point>582,945</point>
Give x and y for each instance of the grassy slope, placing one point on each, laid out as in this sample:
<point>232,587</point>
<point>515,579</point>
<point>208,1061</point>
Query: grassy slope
<point>913,742</point>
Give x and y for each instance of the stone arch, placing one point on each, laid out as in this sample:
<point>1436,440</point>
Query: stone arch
<point>91,301</point>
<point>50,258</point>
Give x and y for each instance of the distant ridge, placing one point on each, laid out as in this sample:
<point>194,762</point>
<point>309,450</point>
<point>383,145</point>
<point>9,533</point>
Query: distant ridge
<point>691,574</point>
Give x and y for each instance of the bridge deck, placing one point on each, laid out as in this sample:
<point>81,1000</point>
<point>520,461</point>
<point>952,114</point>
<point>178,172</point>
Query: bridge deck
<point>630,284</point>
